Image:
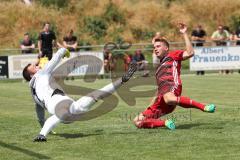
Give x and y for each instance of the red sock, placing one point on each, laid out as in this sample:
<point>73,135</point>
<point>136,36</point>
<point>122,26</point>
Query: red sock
<point>152,123</point>
<point>188,103</point>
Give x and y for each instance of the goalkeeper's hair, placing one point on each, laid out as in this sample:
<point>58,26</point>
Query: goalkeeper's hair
<point>26,74</point>
<point>163,41</point>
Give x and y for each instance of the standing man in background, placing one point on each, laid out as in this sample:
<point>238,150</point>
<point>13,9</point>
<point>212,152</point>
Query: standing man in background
<point>198,37</point>
<point>46,42</point>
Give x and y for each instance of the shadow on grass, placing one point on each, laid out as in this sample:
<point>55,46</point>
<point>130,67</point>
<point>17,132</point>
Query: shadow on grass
<point>25,151</point>
<point>137,131</point>
<point>191,125</point>
<point>96,133</point>
<point>79,135</point>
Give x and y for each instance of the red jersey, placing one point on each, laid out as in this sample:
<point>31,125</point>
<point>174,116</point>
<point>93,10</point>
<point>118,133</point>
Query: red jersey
<point>168,72</point>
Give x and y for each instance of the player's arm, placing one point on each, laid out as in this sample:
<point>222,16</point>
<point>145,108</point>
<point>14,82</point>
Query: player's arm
<point>189,52</point>
<point>55,60</point>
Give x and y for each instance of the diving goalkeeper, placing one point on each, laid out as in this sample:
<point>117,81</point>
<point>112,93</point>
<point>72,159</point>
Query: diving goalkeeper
<point>54,100</point>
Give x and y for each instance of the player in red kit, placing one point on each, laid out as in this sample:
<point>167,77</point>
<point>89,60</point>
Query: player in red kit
<point>169,85</point>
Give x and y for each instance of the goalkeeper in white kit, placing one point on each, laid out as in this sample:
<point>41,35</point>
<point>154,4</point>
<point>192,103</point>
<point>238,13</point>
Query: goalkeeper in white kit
<point>53,99</point>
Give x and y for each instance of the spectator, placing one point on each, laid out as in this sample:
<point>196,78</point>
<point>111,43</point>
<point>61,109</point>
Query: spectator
<point>226,28</point>
<point>220,36</point>
<point>237,36</point>
<point>139,58</point>
<point>70,41</point>
<point>109,61</point>
<point>232,39</point>
<point>198,38</point>
<point>46,42</point>
<point>27,45</point>
<point>156,61</point>
<point>127,60</point>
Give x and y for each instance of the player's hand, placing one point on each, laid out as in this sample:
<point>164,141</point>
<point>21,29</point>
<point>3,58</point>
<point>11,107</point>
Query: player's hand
<point>40,138</point>
<point>182,27</point>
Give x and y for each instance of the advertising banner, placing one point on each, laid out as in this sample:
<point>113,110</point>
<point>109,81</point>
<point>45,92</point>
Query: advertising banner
<point>215,58</point>
<point>77,65</point>
<point>3,67</point>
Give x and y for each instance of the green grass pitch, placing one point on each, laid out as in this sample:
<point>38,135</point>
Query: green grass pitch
<point>112,136</point>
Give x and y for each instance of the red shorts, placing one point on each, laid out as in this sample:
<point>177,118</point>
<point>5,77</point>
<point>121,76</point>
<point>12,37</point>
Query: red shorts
<point>159,107</point>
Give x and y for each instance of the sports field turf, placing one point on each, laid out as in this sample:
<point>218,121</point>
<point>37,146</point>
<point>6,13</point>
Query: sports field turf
<point>112,136</point>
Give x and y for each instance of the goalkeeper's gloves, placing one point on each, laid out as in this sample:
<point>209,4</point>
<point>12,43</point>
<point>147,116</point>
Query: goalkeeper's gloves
<point>67,53</point>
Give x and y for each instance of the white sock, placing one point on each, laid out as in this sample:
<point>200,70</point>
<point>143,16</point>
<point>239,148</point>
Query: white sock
<point>49,124</point>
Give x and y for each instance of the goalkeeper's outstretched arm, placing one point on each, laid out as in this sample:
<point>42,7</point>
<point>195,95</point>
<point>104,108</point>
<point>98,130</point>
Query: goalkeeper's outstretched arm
<point>55,60</point>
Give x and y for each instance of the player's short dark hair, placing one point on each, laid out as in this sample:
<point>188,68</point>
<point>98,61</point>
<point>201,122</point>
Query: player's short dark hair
<point>26,74</point>
<point>163,41</point>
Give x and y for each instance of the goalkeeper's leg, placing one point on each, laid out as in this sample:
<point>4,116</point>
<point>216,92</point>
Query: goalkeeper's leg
<point>84,103</point>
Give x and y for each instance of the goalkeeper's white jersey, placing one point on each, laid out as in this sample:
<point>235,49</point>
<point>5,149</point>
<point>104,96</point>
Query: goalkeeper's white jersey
<point>42,82</point>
